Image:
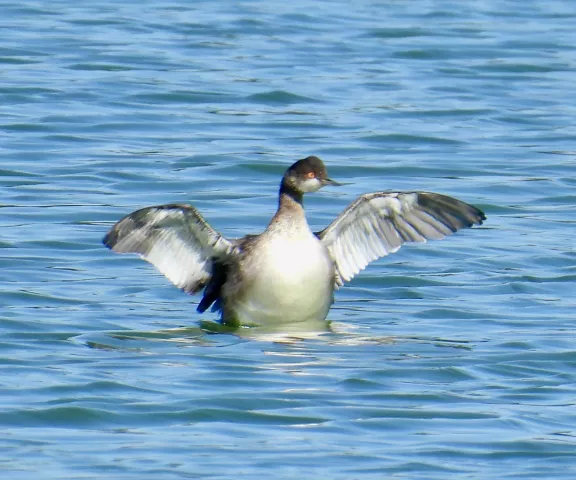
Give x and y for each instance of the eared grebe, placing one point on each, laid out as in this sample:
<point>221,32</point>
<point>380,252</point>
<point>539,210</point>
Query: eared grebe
<point>287,273</point>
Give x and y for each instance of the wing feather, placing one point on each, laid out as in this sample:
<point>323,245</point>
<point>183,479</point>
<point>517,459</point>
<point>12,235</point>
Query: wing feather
<point>175,239</point>
<point>379,223</point>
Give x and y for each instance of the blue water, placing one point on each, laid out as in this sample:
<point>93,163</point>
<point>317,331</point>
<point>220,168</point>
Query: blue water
<point>451,359</point>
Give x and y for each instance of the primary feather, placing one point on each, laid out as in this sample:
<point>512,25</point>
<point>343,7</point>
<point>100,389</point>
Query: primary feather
<point>175,239</point>
<point>379,223</point>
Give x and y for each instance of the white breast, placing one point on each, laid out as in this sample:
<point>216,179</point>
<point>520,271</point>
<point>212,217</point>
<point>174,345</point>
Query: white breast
<point>292,280</point>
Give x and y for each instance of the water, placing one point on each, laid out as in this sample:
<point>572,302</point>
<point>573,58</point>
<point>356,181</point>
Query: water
<point>454,358</point>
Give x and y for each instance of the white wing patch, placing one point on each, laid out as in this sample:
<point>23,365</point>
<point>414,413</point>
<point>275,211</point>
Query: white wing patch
<point>175,239</point>
<point>378,224</point>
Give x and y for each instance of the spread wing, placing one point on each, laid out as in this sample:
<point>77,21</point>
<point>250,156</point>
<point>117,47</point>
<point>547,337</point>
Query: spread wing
<point>175,239</point>
<point>379,223</point>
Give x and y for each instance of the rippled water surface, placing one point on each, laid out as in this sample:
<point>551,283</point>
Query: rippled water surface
<point>454,359</point>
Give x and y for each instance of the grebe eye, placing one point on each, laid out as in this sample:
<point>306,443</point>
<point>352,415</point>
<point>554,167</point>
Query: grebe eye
<point>311,175</point>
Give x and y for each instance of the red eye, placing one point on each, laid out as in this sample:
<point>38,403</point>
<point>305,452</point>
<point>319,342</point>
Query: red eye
<point>311,175</point>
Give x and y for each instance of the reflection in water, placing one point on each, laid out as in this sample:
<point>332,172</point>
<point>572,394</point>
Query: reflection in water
<point>214,334</point>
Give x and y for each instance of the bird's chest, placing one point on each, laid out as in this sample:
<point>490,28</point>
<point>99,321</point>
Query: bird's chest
<point>292,279</point>
<point>298,263</point>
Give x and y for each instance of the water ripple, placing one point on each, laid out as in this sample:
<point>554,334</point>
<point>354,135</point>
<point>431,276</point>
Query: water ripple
<point>449,358</point>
